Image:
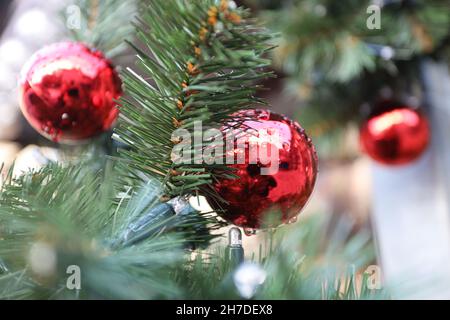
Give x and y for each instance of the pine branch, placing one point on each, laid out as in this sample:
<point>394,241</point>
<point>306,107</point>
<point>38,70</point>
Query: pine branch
<point>198,61</point>
<point>330,41</point>
<point>313,259</point>
<point>104,24</point>
<point>303,261</point>
<point>74,215</point>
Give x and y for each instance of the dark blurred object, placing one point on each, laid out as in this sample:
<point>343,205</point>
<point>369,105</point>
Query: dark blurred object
<point>5,13</point>
<point>264,4</point>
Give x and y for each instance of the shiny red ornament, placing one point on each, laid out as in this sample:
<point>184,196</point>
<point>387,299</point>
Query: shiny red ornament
<point>67,92</point>
<point>395,136</point>
<point>283,192</point>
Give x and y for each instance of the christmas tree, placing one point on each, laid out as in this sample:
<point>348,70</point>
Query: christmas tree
<point>116,219</point>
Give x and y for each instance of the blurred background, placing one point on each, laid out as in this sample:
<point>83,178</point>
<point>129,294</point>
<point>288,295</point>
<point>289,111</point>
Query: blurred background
<point>339,64</point>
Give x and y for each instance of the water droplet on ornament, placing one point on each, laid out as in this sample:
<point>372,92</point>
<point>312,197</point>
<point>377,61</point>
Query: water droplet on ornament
<point>271,131</point>
<point>292,220</point>
<point>249,232</point>
<point>65,116</point>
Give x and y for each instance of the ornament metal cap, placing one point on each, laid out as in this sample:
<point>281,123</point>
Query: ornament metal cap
<point>235,237</point>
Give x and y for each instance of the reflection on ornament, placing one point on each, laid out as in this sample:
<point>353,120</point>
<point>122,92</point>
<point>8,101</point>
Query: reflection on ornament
<point>67,92</point>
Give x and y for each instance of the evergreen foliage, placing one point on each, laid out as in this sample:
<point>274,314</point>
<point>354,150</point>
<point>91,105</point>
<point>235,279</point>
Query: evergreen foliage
<point>337,61</point>
<point>198,60</point>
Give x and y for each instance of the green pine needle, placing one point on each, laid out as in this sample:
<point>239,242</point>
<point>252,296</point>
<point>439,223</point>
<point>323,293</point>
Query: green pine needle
<point>189,71</point>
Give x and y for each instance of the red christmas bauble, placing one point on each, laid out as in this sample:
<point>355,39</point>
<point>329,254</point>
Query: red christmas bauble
<point>67,92</point>
<point>395,136</point>
<point>290,174</point>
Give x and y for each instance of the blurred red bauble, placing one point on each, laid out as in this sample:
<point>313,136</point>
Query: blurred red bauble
<point>291,172</point>
<point>395,136</point>
<point>67,92</point>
